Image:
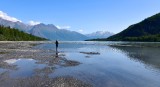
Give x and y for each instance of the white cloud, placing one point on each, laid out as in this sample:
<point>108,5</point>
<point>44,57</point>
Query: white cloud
<point>9,18</point>
<point>33,23</point>
<point>81,31</point>
<point>63,27</point>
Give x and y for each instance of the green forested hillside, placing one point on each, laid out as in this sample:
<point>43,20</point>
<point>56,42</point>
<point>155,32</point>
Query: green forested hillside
<point>146,30</point>
<point>11,34</point>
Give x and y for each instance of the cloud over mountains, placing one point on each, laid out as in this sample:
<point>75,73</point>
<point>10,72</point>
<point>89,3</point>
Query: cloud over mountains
<point>7,17</point>
<point>33,23</point>
<point>63,27</point>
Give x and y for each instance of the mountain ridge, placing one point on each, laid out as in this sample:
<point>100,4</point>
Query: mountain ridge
<point>53,33</point>
<point>146,30</point>
<point>48,31</point>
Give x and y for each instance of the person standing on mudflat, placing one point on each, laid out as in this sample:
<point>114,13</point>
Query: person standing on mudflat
<point>56,45</point>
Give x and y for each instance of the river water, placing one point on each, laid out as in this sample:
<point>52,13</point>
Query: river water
<point>102,64</point>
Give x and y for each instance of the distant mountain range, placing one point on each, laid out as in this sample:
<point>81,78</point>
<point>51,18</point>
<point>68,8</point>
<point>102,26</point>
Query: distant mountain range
<point>49,31</point>
<point>52,32</point>
<point>146,30</point>
<point>99,34</point>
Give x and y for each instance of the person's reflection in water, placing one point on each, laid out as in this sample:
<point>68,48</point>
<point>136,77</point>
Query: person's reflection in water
<point>56,54</point>
<point>56,48</point>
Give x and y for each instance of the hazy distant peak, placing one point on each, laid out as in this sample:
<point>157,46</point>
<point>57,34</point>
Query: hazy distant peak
<point>46,26</point>
<point>99,34</point>
<point>102,32</point>
<point>9,18</point>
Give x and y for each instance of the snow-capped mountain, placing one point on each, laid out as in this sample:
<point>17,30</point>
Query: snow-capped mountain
<point>99,34</point>
<point>49,31</point>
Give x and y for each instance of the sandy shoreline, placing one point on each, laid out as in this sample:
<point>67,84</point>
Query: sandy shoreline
<point>21,50</point>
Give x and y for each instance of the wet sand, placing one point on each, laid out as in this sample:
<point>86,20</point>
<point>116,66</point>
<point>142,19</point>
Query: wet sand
<point>10,52</point>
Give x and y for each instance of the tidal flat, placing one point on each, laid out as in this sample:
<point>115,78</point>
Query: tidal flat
<point>79,64</point>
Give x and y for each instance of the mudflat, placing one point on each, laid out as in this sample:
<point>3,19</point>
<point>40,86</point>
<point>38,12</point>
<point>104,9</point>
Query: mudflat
<point>32,76</point>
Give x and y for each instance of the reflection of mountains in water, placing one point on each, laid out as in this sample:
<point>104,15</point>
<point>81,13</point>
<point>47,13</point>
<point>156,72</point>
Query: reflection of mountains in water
<point>64,46</point>
<point>68,45</point>
<point>147,55</point>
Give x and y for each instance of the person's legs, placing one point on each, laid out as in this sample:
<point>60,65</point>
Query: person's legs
<point>56,50</point>
<point>56,47</point>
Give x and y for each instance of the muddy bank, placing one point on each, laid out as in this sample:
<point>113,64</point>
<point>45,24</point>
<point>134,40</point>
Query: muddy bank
<point>26,51</point>
<point>11,53</point>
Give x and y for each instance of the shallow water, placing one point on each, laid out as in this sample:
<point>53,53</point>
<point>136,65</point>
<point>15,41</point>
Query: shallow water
<point>117,64</point>
<point>25,67</point>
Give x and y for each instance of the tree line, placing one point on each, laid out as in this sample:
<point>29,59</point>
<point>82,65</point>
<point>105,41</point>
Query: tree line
<point>12,34</point>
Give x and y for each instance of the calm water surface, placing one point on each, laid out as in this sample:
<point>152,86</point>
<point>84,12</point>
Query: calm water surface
<point>118,64</point>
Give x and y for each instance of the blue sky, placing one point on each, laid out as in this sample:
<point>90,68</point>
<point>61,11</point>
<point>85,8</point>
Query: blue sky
<point>85,16</point>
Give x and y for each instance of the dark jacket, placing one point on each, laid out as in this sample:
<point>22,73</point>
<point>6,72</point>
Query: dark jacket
<point>56,43</point>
